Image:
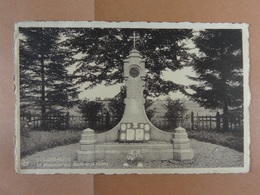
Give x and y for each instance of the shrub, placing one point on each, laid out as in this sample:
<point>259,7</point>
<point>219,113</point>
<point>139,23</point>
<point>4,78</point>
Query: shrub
<point>175,112</point>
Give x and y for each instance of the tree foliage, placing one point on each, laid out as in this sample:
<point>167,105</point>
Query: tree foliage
<point>92,111</point>
<point>175,112</point>
<point>219,70</point>
<point>44,78</point>
<point>96,55</point>
<point>117,105</point>
<point>148,110</point>
<point>102,52</point>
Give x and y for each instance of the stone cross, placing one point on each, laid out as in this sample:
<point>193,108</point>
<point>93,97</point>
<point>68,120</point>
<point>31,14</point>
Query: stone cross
<point>134,37</point>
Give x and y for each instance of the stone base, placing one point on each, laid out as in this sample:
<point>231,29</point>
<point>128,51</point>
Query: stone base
<point>91,151</point>
<point>181,145</point>
<point>111,152</point>
<point>183,154</point>
<point>85,156</point>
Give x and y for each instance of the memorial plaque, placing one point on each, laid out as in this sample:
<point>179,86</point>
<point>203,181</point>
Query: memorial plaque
<point>130,134</point>
<point>139,134</point>
<point>134,132</point>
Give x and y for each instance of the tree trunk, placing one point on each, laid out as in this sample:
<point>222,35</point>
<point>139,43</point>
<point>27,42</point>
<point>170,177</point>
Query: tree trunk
<point>225,103</point>
<point>43,105</point>
<point>225,116</point>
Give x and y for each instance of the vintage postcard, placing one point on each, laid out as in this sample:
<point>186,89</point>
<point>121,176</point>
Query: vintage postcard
<point>131,97</point>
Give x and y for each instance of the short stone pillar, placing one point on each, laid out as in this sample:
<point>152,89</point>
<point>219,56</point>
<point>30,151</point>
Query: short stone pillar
<point>181,145</point>
<point>88,140</point>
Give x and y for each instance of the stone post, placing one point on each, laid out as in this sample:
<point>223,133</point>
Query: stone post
<point>181,145</point>
<point>87,146</point>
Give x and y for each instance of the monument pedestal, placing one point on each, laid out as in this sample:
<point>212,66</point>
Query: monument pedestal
<point>178,149</point>
<point>114,151</point>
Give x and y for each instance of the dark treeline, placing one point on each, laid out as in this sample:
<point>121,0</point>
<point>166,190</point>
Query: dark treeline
<point>54,62</point>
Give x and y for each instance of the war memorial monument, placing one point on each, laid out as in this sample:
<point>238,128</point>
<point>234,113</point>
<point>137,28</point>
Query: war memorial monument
<point>134,132</point>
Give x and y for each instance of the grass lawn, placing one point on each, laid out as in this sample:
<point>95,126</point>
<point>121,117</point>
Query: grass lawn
<point>42,140</point>
<point>233,140</point>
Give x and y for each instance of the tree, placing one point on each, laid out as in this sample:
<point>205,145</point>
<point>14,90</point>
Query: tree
<point>44,78</point>
<point>92,110</point>
<point>147,106</point>
<point>219,71</point>
<point>102,53</point>
<point>117,105</point>
<point>175,112</point>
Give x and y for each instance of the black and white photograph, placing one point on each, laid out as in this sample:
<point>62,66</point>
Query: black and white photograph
<point>131,97</point>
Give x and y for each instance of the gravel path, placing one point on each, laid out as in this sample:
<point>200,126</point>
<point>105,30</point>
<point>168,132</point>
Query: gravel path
<point>207,155</point>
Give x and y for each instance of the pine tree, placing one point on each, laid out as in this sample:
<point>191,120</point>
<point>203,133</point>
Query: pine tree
<point>219,71</point>
<point>45,82</point>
